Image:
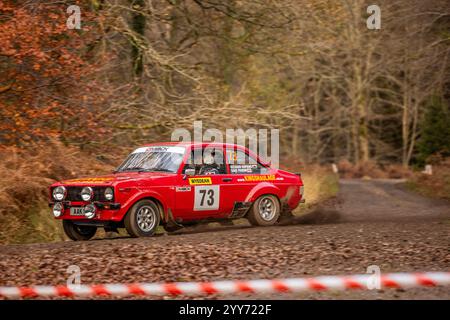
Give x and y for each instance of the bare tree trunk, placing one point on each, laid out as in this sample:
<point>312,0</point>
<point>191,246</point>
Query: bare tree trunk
<point>138,26</point>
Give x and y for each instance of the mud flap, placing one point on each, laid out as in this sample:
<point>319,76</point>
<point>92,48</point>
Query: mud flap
<point>171,225</point>
<point>286,212</point>
<point>240,209</point>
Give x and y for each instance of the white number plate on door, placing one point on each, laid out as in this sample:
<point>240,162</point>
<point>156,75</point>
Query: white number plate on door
<point>206,198</point>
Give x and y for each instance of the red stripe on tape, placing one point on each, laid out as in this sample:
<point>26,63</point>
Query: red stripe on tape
<point>135,289</point>
<point>315,285</point>
<point>243,287</point>
<point>208,288</point>
<point>100,290</point>
<point>352,284</point>
<point>64,291</point>
<point>27,292</point>
<point>172,288</point>
<point>280,286</point>
<point>389,283</point>
<point>424,281</point>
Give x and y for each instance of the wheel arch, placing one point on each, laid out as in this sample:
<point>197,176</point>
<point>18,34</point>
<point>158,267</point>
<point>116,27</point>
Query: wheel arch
<point>157,201</point>
<point>262,189</point>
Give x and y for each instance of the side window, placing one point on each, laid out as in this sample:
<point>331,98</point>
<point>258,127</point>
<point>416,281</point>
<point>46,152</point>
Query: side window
<point>207,161</point>
<point>241,163</point>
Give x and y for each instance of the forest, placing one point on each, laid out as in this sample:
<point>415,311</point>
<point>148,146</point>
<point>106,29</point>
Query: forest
<point>73,100</point>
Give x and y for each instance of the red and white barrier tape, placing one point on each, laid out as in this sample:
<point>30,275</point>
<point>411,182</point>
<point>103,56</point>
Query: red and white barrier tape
<point>393,280</point>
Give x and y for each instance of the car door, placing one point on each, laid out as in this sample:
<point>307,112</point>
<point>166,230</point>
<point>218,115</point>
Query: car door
<point>200,196</point>
<point>244,172</point>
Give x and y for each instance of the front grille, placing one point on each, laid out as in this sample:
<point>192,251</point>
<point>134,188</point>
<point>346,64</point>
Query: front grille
<point>74,194</point>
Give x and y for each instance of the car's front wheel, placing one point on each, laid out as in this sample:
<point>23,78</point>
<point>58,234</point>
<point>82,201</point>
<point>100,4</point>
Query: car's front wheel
<point>142,219</point>
<point>78,233</point>
<point>265,211</point>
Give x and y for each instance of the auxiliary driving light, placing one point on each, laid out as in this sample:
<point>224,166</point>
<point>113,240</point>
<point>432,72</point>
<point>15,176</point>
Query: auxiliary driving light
<point>59,193</point>
<point>89,211</point>
<point>58,209</point>
<point>87,194</point>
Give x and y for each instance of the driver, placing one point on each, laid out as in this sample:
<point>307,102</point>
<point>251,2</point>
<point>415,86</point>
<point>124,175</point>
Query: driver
<point>209,164</point>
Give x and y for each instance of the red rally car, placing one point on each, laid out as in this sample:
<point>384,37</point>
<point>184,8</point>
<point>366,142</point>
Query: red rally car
<point>176,184</point>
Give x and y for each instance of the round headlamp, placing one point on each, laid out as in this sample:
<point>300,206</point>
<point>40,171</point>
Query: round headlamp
<point>89,211</point>
<point>59,193</point>
<point>87,194</point>
<point>58,209</point>
<point>109,194</point>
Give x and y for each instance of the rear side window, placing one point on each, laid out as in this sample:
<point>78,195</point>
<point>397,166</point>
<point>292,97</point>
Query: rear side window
<point>242,163</point>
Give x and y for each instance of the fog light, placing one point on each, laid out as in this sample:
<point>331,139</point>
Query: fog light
<point>89,211</point>
<point>58,209</point>
<point>87,193</point>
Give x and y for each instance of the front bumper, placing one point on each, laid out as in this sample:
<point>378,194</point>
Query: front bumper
<point>104,211</point>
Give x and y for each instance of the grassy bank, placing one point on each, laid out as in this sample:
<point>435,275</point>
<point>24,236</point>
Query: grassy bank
<point>436,185</point>
<point>320,184</point>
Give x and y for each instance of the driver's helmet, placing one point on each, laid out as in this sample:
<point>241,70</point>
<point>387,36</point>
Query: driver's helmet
<point>208,158</point>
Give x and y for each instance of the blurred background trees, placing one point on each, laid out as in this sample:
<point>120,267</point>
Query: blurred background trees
<point>138,69</point>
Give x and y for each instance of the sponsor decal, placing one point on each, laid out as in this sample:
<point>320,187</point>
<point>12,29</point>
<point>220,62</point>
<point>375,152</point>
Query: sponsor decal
<point>243,168</point>
<point>263,177</point>
<point>89,180</point>
<point>183,189</point>
<point>195,181</point>
<point>170,149</point>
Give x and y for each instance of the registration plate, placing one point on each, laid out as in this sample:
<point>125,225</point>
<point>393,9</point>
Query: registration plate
<point>77,211</point>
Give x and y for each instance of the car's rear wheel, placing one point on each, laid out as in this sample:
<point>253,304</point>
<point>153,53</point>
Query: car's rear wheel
<point>265,211</point>
<point>142,219</point>
<point>78,233</point>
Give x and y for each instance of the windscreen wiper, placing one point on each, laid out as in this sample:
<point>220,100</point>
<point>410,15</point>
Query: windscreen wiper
<point>156,170</point>
<point>130,169</point>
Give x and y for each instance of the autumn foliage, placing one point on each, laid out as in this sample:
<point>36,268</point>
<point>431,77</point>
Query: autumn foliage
<point>43,72</point>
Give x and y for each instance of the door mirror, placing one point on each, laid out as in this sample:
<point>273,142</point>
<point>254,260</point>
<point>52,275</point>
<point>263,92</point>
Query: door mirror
<point>189,172</point>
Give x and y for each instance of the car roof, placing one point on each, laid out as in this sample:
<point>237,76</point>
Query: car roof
<point>195,144</point>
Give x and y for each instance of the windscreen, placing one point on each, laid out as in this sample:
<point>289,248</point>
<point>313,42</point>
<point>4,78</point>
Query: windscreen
<point>155,158</point>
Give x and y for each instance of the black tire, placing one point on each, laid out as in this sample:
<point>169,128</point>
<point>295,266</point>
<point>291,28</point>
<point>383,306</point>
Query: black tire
<point>78,233</point>
<point>142,219</point>
<point>258,216</point>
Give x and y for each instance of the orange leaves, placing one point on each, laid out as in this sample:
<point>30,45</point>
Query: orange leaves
<point>43,65</point>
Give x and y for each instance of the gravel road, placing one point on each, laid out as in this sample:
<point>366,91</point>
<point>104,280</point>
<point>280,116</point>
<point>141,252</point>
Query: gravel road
<point>373,222</point>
